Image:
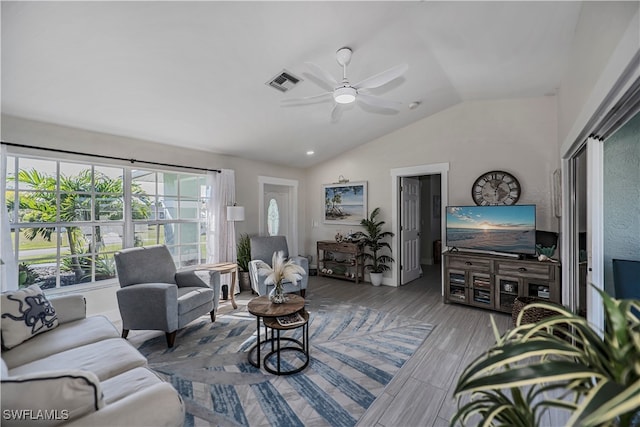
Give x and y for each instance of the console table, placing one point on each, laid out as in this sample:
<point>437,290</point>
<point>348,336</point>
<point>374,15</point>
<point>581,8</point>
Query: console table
<point>494,282</point>
<point>347,265</point>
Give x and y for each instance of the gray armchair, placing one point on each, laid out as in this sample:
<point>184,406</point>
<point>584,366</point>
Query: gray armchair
<point>154,296</point>
<point>262,249</point>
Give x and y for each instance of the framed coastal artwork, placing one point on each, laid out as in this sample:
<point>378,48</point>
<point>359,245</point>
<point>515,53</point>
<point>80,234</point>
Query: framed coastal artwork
<point>345,203</point>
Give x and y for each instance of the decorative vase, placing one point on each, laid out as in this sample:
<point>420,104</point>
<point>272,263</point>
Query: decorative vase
<point>376,278</point>
<point>244,281</point>
<point>277,295</point>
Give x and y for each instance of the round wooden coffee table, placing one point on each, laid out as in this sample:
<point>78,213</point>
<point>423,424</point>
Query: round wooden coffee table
<point>264,309</point>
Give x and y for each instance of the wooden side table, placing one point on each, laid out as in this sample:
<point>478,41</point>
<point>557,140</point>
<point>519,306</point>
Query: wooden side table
<point>264,309</point>
<point>224,268</point>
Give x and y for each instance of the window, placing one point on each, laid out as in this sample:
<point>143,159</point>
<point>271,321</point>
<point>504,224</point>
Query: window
<point>174,213</point>
<point>69,218</point>
<point>273,215</point>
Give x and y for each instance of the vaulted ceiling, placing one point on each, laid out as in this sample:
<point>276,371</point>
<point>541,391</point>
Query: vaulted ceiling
<point>193,74</point>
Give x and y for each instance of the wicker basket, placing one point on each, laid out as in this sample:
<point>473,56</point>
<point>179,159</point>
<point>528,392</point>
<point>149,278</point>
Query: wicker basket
<point>532,315</point>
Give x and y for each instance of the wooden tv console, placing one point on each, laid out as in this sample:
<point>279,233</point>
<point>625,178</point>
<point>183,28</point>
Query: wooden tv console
<point>494,282</point>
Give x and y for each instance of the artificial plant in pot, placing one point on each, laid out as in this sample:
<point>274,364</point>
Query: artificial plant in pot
<point>558,363</point>
<point>375,260</point>
<point>243,254</point>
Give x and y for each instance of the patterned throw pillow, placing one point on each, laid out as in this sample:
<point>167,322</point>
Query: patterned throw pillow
<point>25,313</point>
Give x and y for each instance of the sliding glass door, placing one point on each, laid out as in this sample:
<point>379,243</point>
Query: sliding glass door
<point>601,220</point>
<point>579,232</point>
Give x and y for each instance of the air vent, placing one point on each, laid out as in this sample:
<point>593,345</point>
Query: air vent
<point>284,81</point>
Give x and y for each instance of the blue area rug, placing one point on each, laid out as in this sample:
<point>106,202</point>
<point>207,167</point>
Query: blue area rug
<point>355,352</point>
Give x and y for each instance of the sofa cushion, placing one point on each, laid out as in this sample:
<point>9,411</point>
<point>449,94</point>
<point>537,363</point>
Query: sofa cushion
<point>64,337</point>
<point>106,358</point>
<point>69,307</point>
<point>190,298</point>
<point>128,383</point>
<point>25,313</point>
<point>158,405</point>
<point>49,398</point>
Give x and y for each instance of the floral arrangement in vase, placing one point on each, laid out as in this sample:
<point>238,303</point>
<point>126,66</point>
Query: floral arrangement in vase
<point>281,270</point>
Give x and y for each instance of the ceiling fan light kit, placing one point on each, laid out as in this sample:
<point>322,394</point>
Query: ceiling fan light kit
<point>346,93</point>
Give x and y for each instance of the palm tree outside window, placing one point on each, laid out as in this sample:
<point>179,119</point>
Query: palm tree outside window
<point>68,218</point>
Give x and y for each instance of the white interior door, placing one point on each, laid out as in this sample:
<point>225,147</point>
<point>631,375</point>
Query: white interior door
<point>410,229</point>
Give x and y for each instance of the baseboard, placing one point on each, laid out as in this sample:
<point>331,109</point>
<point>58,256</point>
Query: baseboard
<point>388,281</point>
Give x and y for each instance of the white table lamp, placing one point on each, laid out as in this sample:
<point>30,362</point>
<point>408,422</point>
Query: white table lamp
<point>235,213</point>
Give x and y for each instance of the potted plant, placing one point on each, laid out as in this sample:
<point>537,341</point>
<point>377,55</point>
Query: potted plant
<point>244,256</point>
<point>372,238</point>
<point>560,362</point>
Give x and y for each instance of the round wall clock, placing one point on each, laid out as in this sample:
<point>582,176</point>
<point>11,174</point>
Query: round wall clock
<point>495,188</point>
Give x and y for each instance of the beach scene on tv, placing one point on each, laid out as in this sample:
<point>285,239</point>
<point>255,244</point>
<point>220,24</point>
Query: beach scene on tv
<point>492,228</point>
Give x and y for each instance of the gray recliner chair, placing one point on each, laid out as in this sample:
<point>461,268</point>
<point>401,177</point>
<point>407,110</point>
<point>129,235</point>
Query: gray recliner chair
<point>262,249</point>
<point>153,295</point>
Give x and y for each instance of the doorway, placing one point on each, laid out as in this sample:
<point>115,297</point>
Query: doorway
<point>278,209</point>
<point>420,226</point>
<point>419,196</point>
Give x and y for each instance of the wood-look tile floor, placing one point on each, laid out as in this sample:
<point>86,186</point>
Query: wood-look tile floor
<point>421,393</point>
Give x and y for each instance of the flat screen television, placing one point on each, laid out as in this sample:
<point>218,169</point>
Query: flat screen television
<point>503,229</point>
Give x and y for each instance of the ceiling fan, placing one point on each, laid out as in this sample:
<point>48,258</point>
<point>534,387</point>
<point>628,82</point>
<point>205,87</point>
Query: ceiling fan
<point>344,93</point>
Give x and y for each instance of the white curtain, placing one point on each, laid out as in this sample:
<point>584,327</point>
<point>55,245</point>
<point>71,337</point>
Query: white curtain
<point>8,264</point>
<point>221,236</point>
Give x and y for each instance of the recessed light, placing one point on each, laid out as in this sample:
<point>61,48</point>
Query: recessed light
<point>310,153</point>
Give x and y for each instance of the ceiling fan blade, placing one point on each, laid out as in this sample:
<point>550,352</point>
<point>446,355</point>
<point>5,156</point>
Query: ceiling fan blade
<point>382,78</point>
<point>329,81</point>
<point>314,99</point>
<point>336,114</point>
<point>379,102</point>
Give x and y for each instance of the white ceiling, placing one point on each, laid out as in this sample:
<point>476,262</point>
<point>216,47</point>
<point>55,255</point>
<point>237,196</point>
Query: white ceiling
<point>193,74</point>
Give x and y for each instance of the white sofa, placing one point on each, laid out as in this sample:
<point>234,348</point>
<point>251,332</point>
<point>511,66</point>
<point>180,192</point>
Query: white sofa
<point>82,373</point>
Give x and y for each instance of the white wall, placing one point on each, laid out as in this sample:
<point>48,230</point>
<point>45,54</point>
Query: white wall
<point>606,38</point>
<point>28,132</point>
<point>518,136</point>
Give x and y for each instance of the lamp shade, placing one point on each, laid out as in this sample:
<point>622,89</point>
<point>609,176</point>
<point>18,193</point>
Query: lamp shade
<point>235,213</point>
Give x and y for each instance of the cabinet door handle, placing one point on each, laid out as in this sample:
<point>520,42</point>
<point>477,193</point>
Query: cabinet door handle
<point>522,269</point>
<point>468,263</point>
